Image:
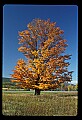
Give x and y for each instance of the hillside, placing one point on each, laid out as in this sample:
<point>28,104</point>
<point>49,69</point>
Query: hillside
<point>6,83</point>
<point>5,79</point>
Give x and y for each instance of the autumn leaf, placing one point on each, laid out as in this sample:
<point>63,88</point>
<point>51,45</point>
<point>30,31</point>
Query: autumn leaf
<point>45,68</point>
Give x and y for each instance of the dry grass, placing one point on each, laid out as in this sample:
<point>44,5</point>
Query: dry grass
<point>47,104</point>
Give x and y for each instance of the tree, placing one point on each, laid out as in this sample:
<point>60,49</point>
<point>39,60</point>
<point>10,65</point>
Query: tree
<point>76,87</point>
<point>71,88</point>
<point>62,86</point>
<point>43,46</point>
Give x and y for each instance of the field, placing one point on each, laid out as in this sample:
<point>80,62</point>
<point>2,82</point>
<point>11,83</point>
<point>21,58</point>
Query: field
<point>17,103</point>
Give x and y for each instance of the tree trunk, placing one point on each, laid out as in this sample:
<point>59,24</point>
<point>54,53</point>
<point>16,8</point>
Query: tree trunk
<point>37,92</point>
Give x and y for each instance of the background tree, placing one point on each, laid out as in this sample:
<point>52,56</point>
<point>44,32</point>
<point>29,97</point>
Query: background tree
<point>76,87</point>
<point>43,45</point>
<point>71,88</point>
<point>62,86</point>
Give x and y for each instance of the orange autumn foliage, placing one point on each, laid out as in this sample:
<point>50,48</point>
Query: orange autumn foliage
<point>46,66</point>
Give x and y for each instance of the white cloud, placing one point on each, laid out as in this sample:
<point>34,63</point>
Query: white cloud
<point>74,82</point>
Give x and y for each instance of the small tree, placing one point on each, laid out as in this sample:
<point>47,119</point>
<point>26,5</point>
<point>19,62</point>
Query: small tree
<point>45,68</point>
<point>69,87</point>
<point>62,86</point>
<point>76,87</point>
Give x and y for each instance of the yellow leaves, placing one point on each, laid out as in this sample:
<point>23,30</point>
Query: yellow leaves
<point>66,64</point>
<point>58,28</point>
<point>30,43</point>
<point>35,53</point>
<point>35,76</point>
<point>22,49</point>
<point>38,71</point>
<point>21,41</point>
<point>39,66</point>
<point>29,26</point>
<point>60,81</point>
<point>46,86</point>
<point>46,44</point>
<point>35,86</point>
<point>30,66</point>
<point>26,32</point>
<point>53,24</point>
<point>17,68</point>
<point>43,62</point>
<point>43,86</point>
<point>15,80</point>
<point>27,80</point>
<point>12,80</point>
<point>30,61</point>
<point>19,71</point>
<point>33,69</point>
<point>34,37</point>
<point>45,53</point>
<point>43,66</point>
<point>20,62</point>
<point>21,33</point>
<point>36,61</point>
<point>54,86</point>
<point>40,87</point>
<point>61,32</point>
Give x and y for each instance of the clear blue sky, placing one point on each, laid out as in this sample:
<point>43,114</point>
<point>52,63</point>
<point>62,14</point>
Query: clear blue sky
<point>16,18</point>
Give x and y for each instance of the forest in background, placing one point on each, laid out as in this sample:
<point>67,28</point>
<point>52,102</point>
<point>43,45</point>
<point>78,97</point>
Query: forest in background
<point>8,85</point>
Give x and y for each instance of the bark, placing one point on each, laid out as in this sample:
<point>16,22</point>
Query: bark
<point>37,92</point>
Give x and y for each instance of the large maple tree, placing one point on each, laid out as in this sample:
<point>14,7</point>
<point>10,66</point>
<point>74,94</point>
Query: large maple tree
<point>46,68</point>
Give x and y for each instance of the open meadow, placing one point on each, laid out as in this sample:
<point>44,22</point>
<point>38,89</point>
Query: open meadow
<point>53,103</point>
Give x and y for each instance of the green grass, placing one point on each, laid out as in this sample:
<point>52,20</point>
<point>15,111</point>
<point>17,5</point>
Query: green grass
<point>46,104</point>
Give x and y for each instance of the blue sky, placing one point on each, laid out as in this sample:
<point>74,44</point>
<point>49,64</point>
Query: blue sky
<point>16,18</point>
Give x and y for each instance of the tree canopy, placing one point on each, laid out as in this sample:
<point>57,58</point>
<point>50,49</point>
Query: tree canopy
<point>43,45</point>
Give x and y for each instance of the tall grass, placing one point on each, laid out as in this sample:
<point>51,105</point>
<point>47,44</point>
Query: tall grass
<point>47,104</point>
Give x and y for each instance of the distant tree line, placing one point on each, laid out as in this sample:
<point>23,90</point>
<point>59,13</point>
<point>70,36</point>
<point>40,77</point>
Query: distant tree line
<point>63,87</point>
<point>68,87</point>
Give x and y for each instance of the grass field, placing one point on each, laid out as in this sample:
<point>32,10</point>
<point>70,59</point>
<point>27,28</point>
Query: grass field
<point>46,104</point>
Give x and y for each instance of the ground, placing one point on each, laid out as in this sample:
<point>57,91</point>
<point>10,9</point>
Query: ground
<point>49,103</point>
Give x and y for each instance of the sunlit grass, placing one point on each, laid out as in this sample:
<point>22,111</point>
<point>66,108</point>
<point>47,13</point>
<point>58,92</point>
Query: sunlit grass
<point>46,104</point>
